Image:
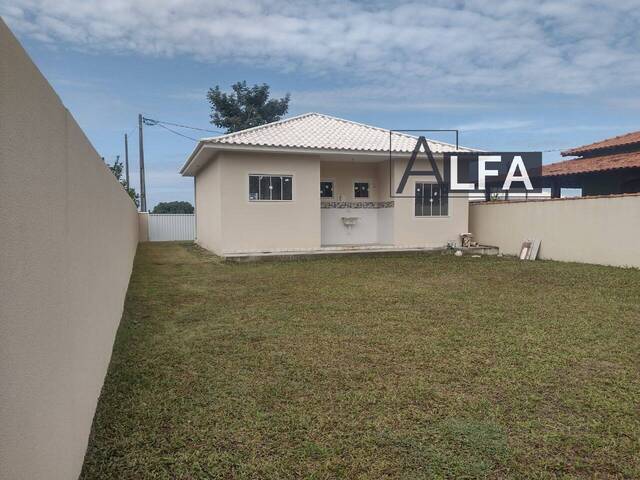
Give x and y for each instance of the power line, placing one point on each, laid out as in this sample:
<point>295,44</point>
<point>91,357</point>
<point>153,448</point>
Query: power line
<point>162,123</point>
<point>549,150</point>
<point>152,121</point>
<point>192,128</point>
<point>176,133</point>
<point>555,150</point>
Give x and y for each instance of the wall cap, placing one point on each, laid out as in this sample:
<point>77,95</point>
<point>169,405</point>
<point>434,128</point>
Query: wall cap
<point>539,200</point>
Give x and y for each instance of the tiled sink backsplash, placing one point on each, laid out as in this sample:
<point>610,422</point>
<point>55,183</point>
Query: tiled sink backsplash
<point>356,204</point>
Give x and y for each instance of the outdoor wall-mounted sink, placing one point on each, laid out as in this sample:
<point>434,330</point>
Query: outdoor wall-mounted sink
<point>349,221</point>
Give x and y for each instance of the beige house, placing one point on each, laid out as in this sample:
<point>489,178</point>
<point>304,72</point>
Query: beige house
<point>315,183</point>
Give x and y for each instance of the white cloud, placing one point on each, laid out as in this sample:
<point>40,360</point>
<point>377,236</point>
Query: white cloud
<point>495,125</point>
<point>472,47</point>
<point>378,98</point>
<point>629,103</point>
<point>621,128</point>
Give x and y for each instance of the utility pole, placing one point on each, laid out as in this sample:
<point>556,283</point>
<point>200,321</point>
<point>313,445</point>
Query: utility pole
<point>126,158</point>
<point>143,192</point>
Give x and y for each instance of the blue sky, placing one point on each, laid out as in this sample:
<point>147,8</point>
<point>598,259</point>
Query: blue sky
<point>512,75</point>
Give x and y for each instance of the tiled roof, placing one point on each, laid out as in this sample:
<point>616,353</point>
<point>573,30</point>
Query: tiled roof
<point>619,141</point>
<point>593,164</point>
<point>319,131</point>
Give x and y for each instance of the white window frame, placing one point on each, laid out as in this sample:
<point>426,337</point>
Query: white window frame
<point>431,216</point>
<point>259,200</point>
<point>333,189</point>
<point>369,188</point>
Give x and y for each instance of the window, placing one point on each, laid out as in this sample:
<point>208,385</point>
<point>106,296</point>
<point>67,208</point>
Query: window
<point>432,200</point>
<point>270,187</point>
<point>326,189</point>
<point>361,189</point>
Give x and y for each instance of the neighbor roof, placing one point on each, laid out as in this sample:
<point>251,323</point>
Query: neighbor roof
<point>609,154</point>
<point>318,132</point>
<point>625,140</point>
<point>592,164</point>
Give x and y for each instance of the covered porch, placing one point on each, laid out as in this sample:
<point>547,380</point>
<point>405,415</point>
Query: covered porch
<point>356,209</point>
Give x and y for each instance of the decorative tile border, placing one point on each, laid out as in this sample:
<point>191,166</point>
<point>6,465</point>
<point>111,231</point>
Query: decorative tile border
<point>356,204</point>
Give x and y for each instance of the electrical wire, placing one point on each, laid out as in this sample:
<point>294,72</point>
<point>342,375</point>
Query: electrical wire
<point>192,128</point>
<point>163,124</point>
<point>155,122</point>
<point>177,133</point>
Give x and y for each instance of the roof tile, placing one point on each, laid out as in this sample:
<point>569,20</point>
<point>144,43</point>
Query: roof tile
<point>619,141</point>
<point>593,164</point>
<point>319,131</point>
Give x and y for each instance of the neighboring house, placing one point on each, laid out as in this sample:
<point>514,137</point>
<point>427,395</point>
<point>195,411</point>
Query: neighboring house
<point>610,166</point>
<point>316,181</point>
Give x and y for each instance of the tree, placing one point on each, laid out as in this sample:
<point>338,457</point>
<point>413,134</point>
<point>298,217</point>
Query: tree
<point>173,207</point>
<point>246,107</point>
<point>116,169</point>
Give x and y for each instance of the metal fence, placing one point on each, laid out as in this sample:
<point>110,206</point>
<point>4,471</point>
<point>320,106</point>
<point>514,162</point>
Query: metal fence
<point>167,227</point>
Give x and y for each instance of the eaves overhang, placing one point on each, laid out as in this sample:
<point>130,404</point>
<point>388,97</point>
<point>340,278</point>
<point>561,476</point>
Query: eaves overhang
<point>205,152</point>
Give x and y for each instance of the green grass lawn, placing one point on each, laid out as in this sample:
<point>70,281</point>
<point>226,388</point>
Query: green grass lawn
<point>414,366</point>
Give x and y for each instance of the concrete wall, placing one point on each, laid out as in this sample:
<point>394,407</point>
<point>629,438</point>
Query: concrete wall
<point>143,226</point>
<point>602,230</point>
<point>410,230</point>
<point>68,233</point>
<point>344,174</point>
<point>372,226</point>
<point>266,225</point>
<point>208,207</point>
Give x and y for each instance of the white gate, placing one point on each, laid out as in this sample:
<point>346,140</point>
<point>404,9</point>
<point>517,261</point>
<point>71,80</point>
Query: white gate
<point>167,227</point>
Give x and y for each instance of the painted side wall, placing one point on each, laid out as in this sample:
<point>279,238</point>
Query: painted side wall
<point>602,230</point>
<point>208,207</point>
<point>68,233</point>
<point>262,225</point>
<point>343,174</point>
<point>410,230</point>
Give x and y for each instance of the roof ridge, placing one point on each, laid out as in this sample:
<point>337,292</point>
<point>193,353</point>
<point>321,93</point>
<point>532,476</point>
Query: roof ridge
<point>396,132</point>
<point>324,115</point>
<point>373,127</point>
<point>585,148</point>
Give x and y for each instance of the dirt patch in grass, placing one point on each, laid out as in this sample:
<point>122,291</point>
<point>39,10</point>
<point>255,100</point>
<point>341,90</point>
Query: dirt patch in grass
<point>416,366</point>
